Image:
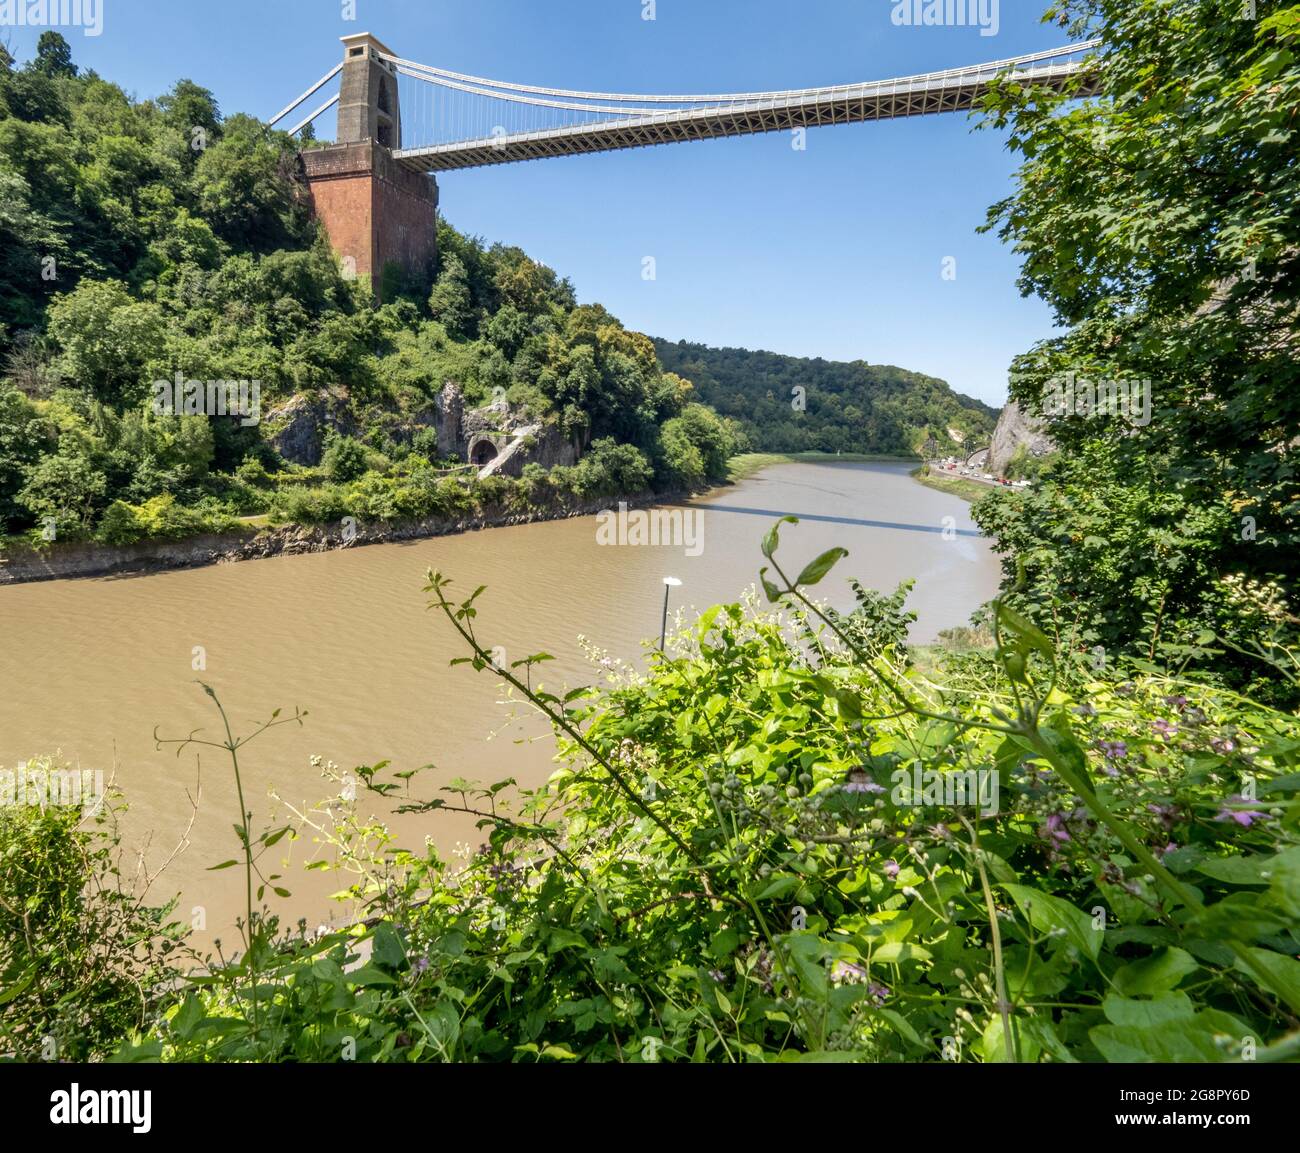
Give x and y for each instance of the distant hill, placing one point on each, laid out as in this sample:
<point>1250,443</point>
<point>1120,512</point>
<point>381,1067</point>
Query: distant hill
<point>848,406</point>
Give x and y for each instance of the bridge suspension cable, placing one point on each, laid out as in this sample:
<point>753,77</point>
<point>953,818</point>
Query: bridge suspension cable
<point>441,75</point>
<point>313,114</point>
<point>310,92</point>
<point>453,120</point>
<point>416,72</point>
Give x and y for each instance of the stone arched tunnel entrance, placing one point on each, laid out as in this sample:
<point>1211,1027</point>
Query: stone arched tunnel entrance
<point>481,452</point>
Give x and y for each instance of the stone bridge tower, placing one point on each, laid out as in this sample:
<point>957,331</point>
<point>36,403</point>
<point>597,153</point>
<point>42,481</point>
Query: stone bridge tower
<point>382,218</point>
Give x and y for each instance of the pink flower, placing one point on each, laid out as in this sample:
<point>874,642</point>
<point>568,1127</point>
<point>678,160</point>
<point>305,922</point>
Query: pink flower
<point>1243,817</point>
<point>1055,828</point>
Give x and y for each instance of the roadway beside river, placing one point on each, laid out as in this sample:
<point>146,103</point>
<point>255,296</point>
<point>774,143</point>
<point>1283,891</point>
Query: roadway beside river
<point>970,485</point>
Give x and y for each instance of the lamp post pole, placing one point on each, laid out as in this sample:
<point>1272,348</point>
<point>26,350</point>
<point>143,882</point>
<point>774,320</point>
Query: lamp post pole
<point>670,583</point>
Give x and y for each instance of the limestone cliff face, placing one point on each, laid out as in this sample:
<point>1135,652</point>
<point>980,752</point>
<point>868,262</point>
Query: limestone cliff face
<point>299,425</point>
<point>1015,427</point>
<point>298,428</point>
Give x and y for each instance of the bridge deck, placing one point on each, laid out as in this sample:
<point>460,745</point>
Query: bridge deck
<point>879,100</point>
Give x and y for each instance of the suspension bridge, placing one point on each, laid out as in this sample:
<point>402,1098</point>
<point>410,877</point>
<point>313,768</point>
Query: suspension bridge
<point>451,120</point>
<point>400,122</point>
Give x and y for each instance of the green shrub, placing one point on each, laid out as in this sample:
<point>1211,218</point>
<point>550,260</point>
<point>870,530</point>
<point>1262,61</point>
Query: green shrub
<point>879,623</point>
<point>425,442</point>
<point>493,491</point>
<point>81,958</point>
<point>344,459</point>
<point>611,469</point>
<point>534,489</point>
<point>322,504</point>
<point>120,524</point>
<point>161,518</point>
<point>373,498</point>
<point>454,497</point>
<point>253,472</point>
<point>243,498</point>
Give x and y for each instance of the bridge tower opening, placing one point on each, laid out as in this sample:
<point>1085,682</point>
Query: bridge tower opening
<point>382,218</point>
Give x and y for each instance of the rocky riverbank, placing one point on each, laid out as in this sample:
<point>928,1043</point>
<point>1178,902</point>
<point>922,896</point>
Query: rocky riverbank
<point>23,564</point>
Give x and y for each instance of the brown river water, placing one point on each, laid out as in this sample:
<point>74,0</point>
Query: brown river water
<point>88,668</point>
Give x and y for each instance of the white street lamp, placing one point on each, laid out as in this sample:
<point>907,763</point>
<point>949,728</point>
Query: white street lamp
<point>670,583</point>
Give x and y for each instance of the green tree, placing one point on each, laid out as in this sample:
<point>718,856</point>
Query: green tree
<point>106,339</point>
<point>681,464</point>
<point>508,330</point>
<point>1159,221</point>
<point>528,285</point>
<point>186,240</point>
<point>53,56</point>
<point>164,452</point>
<point>246,187</point>
<point>65,490</point>
<point>28,238</point>
<point>22,437</point>
<point>451,302</point>
<point>708,433</point>
<point>188,106</point>
<point>610,468</point>
<point>31,96</point>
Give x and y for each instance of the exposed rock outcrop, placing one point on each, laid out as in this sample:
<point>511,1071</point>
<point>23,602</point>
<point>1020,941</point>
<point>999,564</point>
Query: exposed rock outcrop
<point>297,428</point>
<point>1016,427</point>
<point>450,415</point>
<point>533,444</point>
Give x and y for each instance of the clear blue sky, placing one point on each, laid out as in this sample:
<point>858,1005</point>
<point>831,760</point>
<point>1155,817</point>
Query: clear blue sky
<point>835,251</point>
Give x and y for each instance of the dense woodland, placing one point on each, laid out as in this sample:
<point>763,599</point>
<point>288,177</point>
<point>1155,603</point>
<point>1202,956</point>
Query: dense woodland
<point>793,404</point>
<point>756,846</point>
